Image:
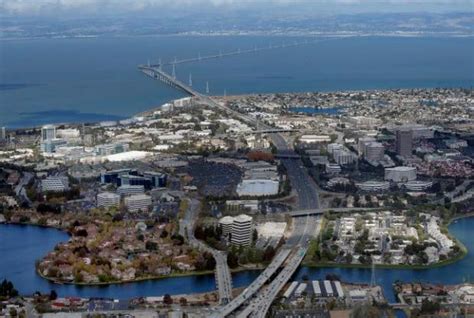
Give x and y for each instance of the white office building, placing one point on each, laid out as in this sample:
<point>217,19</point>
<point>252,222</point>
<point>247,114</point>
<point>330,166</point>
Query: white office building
<point>418,185</point>
<point>108,199</point>
<point>242,228</point>
<point>373,186</point>
<point>344,157</point>
<point>138,202</point>
<point>226,225</point>
<point>238,230</point>
<point>68,133</point>
<point>400,174</point>
<point>48,132</point>
<point>55,184</point>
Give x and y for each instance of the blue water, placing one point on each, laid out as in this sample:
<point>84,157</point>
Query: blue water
<point>64,80</point>
<point>20,246</point>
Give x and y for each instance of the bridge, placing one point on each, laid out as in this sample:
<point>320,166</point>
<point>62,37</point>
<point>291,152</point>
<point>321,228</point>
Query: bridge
<point>221,54</point>
<point>158,74</point>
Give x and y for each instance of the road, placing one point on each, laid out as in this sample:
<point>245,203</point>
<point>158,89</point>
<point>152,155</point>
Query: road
<point>222,272</point>
<point>20,190</point>
<point>299,213</point>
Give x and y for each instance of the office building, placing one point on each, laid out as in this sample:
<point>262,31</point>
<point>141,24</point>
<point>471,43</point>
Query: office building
<point>237,230</point>
<point>242,229</point>
<point>374,151</point>
<point>130,189</point>
<point>148,180</point>
<point>138,202</point>
<point>226,225</point>
<point>55,184</point>
<point>404,142</point>
<point>108,199</point>
<point>373,186</point>
<point>50,145</point>
<point>344,157</point>
<point>400,174</point>
<point>110,149</point>
<point>363,141</point>
<point>333,169</point>
<point>418,185</point>
<point>3,133</point>
<point>48,132</point>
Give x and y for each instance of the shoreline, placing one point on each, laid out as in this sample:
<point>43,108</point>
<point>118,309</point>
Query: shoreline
<point>158,107</point>
<point>463,253</point>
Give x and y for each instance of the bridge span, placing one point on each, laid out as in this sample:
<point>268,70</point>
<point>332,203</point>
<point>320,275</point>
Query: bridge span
<point>236,52</point>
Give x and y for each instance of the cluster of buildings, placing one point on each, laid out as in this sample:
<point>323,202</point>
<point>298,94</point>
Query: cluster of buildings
<point>386,238</point>
<point>416,293</point>
<point>130,186</point>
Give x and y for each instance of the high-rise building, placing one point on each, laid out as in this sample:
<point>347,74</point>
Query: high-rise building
<point>3,133</point>
<point>242,230</point>
<point>48,132</point>
<point>238,230</point>
<point>404,142</point>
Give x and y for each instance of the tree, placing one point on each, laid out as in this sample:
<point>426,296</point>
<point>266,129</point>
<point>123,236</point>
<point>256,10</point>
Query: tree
<point>429,307</point>
<point>167,300</point>
<point>151,246</point>
<point>255,235</point>
<point>7,290</point>
<point>53,295</point>
<point>232,260</point>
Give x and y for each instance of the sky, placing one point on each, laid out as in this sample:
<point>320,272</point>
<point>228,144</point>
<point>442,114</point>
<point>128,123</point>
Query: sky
<point>100,7</point>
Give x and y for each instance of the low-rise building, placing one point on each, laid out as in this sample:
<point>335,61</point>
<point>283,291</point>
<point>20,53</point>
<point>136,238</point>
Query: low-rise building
<point>55,184</point>
<point>138,202</point>
<point>108,199</point>
<point>400,174</point>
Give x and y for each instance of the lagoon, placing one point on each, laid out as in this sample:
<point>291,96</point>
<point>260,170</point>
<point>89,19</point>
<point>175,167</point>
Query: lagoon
<point>22,245</point>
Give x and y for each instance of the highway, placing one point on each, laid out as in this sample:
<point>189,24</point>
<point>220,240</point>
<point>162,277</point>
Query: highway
<point>306,212</point>
<point>303,230</point>
<point>259,306</point>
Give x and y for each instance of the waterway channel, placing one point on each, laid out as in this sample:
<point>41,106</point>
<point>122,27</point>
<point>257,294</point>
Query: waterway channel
<point>21,246</point>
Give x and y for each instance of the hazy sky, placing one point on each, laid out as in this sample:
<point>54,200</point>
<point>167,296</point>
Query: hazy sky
<point>98,7</point>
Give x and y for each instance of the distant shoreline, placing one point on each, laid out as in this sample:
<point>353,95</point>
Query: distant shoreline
<point>336,35</point>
